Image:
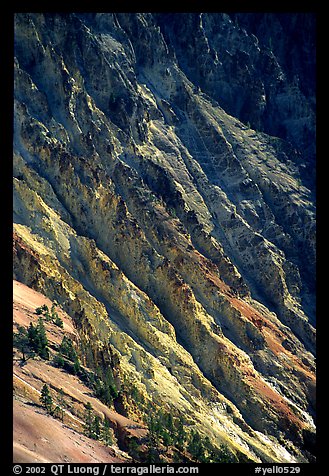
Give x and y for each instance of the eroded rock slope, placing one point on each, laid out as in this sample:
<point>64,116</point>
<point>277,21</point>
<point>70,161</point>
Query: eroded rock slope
<point>165,227</point>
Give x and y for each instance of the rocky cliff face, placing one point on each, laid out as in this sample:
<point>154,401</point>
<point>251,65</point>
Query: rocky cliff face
<point>260,68</point>
<point>164,226</point>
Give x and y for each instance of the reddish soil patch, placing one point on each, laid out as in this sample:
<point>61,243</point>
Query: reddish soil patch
<point>249,312</point>
<point>19,244</point>
<point>275,401</point>
<point>40,438</point>
<point>273,337</point>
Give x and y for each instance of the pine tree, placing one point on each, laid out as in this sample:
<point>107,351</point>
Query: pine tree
<point>196,446</point>
<point>22,342</point>
<point>61,402</point>
<point>32,335</point>
<point>76,366</point>
<point>152,440</point>
<point>58,360</point>
<point>59,322</point>
<point>46,399</point>
<point>133,448</point>
<point>180,433</point>
<point>55,317</point>
<point>104,386</point>
<point>107,433</point>
<point>168,433</point>
<point>47,315</point>
<point>166,439</point>
<point>42,341</point>
<point>53,311</point>
<point>38,339</point>
<point>96,427</point>
<point>67,349</point>
<point>43,310</point>
<point>57,412</point>
<point>88,420</point>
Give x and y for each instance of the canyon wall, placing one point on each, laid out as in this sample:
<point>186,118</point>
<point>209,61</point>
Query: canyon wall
<point>160,196</point>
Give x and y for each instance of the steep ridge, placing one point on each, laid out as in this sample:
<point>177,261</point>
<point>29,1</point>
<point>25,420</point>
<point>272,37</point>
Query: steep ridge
<point>166,228</point>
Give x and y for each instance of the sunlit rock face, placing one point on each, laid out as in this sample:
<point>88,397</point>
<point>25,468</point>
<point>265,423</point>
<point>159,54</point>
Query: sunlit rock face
<point>165,227</point>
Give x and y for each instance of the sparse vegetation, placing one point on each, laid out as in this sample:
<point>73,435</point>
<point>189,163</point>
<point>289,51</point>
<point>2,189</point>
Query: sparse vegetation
<point>51,316</point>
<point>66,348</point>
<point>33,340</point>
<point>22,342</point>
<point>168,437</point>
<point>67,357</point>
<point>42,310</point>
<point>134,448</point>
<point>46,399</point>
<point>95,427</point>
<point>37,339</point>
<point>166,432</point>
<point>101,381</point>
<point>107,433</point>
<point>55,317</point>
<point>61,403</point>
<point>104,386</point>
<point>88,420</point>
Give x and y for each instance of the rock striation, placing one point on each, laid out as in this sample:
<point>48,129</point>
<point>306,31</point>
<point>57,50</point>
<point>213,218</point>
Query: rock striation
<point>164,226</point>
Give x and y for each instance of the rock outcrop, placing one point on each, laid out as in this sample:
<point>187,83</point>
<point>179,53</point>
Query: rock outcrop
<point>165,227</point>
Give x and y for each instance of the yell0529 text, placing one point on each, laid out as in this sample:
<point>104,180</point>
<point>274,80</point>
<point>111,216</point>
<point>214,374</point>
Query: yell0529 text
<point>277,470</point>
